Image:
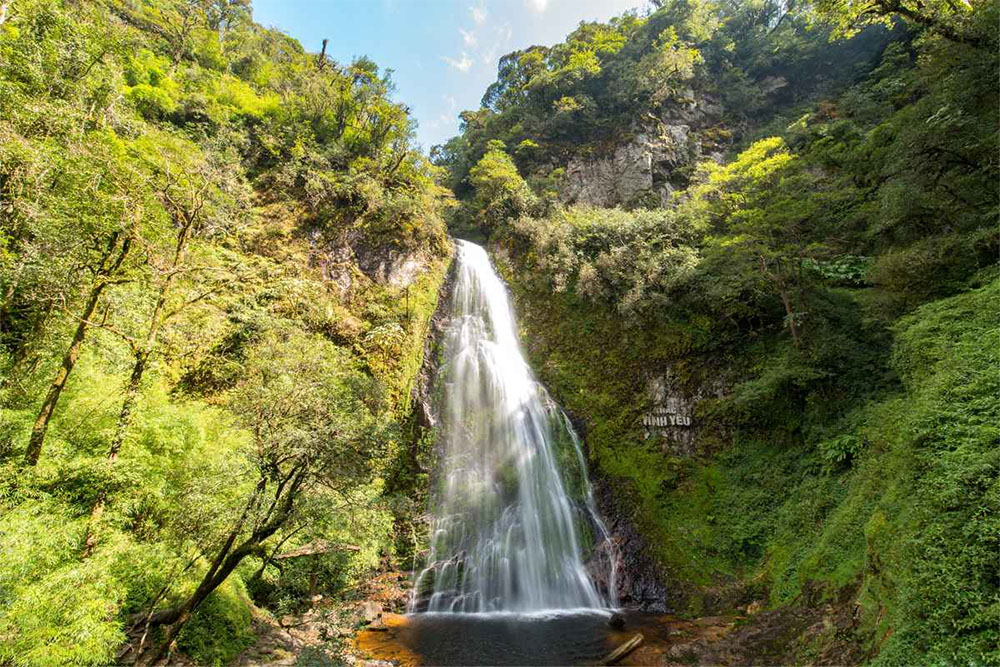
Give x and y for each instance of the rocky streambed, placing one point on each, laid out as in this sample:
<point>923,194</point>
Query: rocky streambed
<point>790,635</point>
<point>557,639</point>
<point>371,631</point>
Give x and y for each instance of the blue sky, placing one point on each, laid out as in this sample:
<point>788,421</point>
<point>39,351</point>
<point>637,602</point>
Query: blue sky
<point>444,52</point>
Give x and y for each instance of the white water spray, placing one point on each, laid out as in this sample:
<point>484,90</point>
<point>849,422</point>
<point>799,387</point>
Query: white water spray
<point>514,517</point>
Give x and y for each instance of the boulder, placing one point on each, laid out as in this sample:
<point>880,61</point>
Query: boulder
<point>370,610</point>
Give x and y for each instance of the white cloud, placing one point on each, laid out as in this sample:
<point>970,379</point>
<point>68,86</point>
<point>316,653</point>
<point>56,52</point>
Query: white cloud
<point>500,45</point>
<point>478,14</point>
<point>537,5</point>
<point>463,64</point>
<point>468,36</point>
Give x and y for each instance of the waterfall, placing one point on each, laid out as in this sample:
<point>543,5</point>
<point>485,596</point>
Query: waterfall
<point>514,525</point>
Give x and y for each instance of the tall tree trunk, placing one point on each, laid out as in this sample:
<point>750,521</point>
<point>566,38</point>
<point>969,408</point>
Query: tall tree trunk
<point>223,564</point>
<point>142,354</point>
<point>124,418</point>
<point>41,424</point>
<point>793,327</point>
<point>4,6</point>
<point>778,277</point>
<point>209,583</point>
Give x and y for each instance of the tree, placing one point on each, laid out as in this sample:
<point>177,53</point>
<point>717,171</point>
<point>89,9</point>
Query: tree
<point>761,207</point>
<point>952,19</point>
<point>314,420</point>
<point>120,182</point>
<point>221,14</point>
<point>500,192</point>
<point>664,72</point>
<point>514,72</point>
<point>108,204</point>
<point>192,190</point>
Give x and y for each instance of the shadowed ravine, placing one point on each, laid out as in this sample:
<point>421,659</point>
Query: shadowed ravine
<point>514,523</point>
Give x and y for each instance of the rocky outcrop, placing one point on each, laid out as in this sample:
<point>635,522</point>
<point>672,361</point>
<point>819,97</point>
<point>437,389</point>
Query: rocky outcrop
<point>424,400</point>
<point>390,266</point>
<point>642,582</point>
<point>349,258</point>
<point>655,160</point>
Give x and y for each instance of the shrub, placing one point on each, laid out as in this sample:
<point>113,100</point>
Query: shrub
<point>152,103</point>
<point>220,629</point>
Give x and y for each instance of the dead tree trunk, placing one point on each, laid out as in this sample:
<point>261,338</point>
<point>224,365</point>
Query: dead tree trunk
<point>619,653</point>
<point>321,59</point>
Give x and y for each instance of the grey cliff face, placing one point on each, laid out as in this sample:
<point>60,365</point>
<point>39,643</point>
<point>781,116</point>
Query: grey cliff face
<point>652,164</point>
<point>340,260</point>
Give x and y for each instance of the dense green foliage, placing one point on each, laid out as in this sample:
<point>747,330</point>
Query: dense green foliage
<point>829,285</point>
<point>205,362</point>
<point>220,629</point>
<point>199,369</point>
<point>580,95</point>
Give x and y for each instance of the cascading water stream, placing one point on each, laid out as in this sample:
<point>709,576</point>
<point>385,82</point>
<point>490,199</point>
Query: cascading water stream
<point>514,527</point>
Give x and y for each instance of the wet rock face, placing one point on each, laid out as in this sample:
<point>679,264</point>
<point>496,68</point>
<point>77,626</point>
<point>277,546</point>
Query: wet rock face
<point>452,570</point>
<point>423,389</point>
<point>651,165</point>
<point>426,411</point>
<point>641,583</point>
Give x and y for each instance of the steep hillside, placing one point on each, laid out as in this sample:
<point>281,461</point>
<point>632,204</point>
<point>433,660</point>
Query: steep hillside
<point>781,344</point>
<point>219,255</point>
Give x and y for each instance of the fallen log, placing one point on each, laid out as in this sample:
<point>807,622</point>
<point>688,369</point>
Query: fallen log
<point>316,548</point>
<point>161,617</point>
<point>622,651</point>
